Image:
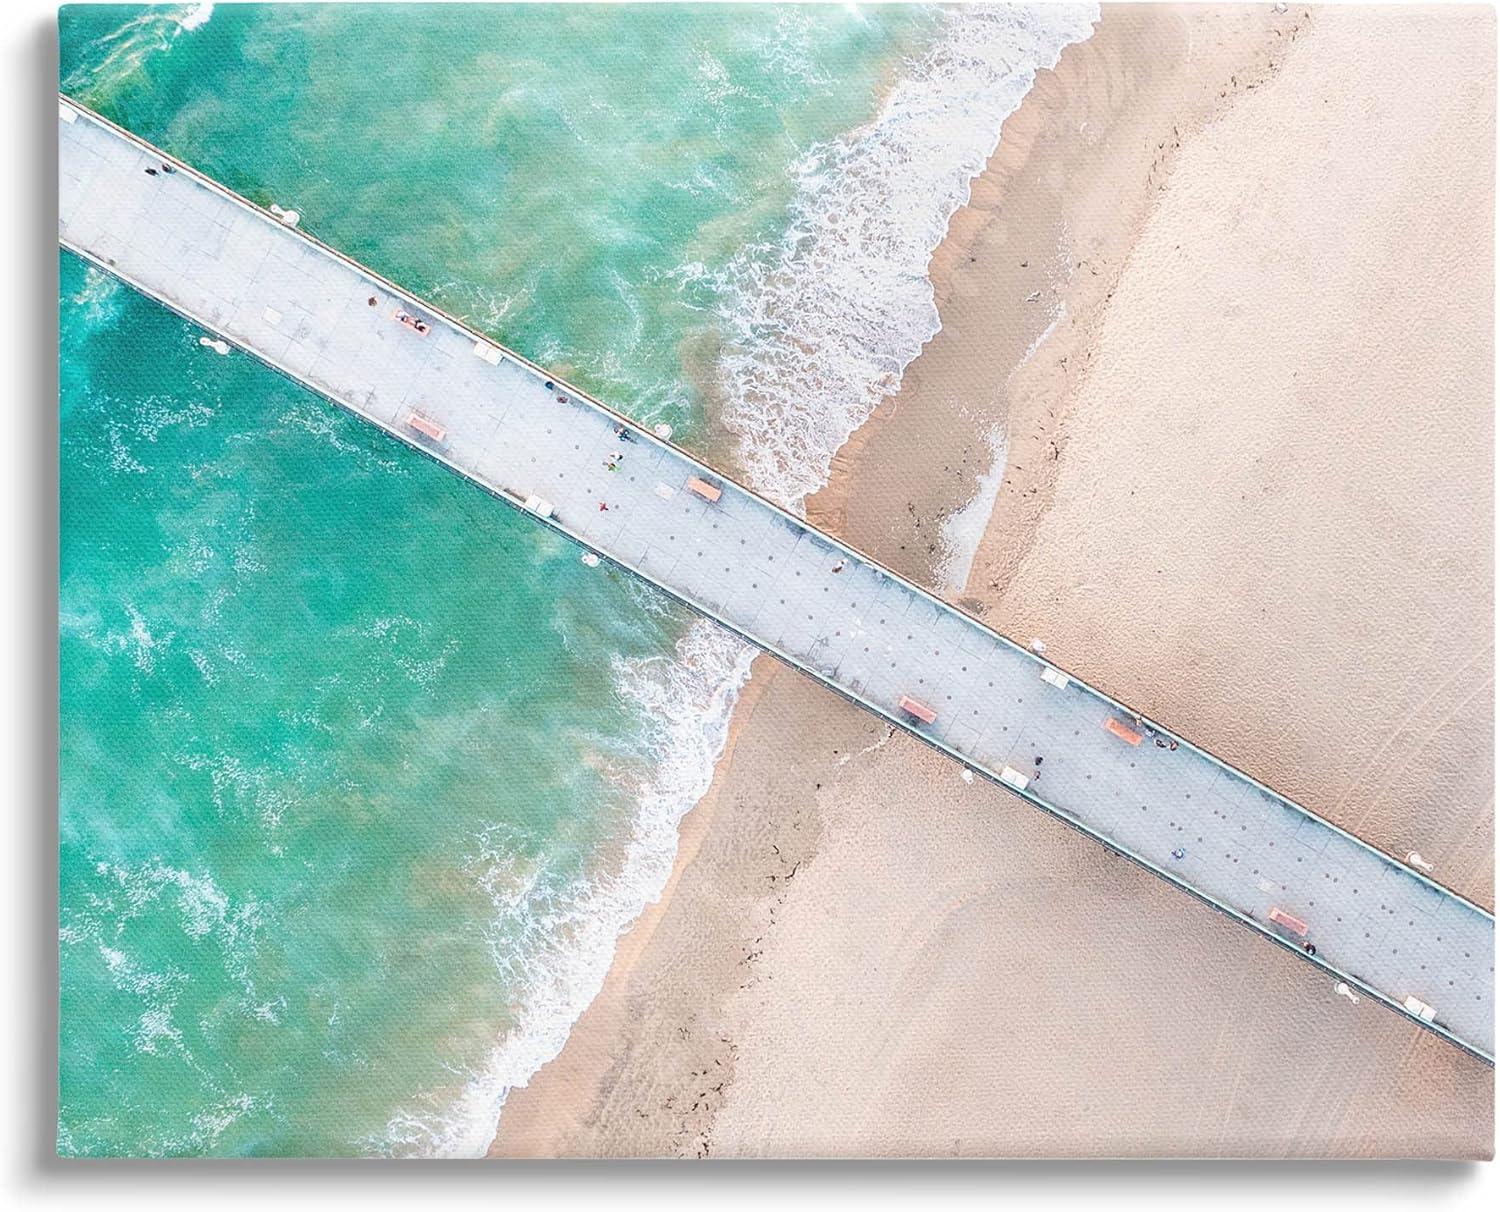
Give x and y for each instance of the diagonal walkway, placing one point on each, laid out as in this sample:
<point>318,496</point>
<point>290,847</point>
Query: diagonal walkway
<point>495,418</point>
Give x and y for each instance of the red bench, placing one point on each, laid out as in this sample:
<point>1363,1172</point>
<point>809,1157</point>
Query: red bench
<point>426,428</point>
<point>920,710</point>
<point>1127,734</point>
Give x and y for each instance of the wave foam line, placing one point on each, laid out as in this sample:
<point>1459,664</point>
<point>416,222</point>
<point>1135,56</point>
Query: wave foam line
<point>559,945</point>
<point>818,333</point>
<point>123,52</point>
<point>821,327</point>
<point>963,530</point>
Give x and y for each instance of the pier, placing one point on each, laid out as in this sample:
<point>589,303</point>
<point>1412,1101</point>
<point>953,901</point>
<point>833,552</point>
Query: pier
<point>542,446</point>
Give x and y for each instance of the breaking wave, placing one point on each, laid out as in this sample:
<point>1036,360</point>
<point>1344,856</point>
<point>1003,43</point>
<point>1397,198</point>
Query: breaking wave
<point>121,54</point>
<point>820,326</point>
<point>558,943</point>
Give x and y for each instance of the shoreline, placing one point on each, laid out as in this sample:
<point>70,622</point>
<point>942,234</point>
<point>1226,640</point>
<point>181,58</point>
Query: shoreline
<point>535,1121</point>
<point>822,328</point>
<point>1023,275</point>
<point>718,984</point>
<point>537,1124</point>
<point>548,1116</point>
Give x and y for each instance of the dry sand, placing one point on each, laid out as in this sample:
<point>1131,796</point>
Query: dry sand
<point>1272,525</point>
<point>955,973</point>
<point>1047,228</point>
<point>1247,488</point>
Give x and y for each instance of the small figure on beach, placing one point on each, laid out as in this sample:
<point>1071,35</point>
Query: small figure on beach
<point>1171,744</point>
<point>840,566</point>
<point>1038,759</point>
<point>371,300</point>
<point>151,172</point>
<point>603,508</point>
<point>167,168</point>
<point>1179,853</point>
<point>623,434</point>
<point>549,384</point>
<point>1160,744</point>
<point>1309,948</point>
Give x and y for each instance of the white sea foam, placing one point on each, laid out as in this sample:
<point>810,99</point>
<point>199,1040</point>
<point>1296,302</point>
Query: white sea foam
<point>139,641</point>
<point>120,54</point>
<point>963,530</point>
<point>99,297</point>
<point>557,944</point>
<point>1057,318</point>
<point>196,16</point>
<point>123,893</point>
<point>820,328</point>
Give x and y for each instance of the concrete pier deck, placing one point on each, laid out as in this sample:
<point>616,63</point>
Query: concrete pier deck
<point>495,418</point>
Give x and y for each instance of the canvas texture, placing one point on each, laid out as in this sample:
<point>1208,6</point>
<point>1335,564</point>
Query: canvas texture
<point>775,581</point>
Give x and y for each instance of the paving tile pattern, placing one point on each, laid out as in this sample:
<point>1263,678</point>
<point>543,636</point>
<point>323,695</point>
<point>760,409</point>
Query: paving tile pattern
<point>304,309</point>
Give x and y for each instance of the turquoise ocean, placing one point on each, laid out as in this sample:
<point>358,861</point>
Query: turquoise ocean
<point>363,774</point>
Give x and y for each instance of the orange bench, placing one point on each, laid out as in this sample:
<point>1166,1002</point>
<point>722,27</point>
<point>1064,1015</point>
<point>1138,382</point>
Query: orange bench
<point>703,488</point>
<point>1295,924</point>
<point>918,709</point>
<point>430,429</point>
<point>1127,734</point>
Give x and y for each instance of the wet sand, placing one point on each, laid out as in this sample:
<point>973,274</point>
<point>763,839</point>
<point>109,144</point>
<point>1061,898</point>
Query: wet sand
<point>1246,488</point>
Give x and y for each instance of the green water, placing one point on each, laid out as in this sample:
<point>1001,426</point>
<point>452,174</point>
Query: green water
<point>307,690</point>
<point>360,771</point>
<point>553,175</point>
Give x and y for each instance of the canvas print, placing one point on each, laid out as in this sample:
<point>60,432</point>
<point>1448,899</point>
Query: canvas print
<point>776,580</point>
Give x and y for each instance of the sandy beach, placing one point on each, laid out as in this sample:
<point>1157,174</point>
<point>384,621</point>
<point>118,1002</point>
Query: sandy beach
<point>1223,301</point>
